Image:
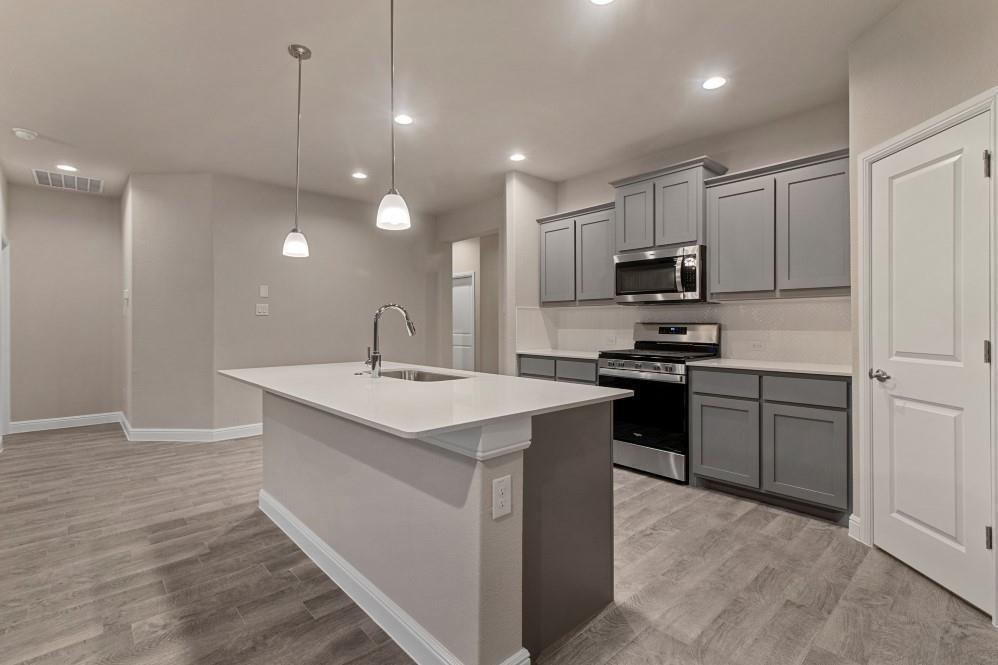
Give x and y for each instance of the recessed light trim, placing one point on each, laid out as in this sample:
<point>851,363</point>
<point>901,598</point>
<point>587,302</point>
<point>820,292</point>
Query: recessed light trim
<point>601,2</point>
<point>517,157</point>
<point>359,175</point>
<point>714,82</point>
<point>403,119</point>
<point>24,134</point>
<point>67,167</point>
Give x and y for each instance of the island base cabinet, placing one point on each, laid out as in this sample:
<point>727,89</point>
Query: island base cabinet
<point>805,453</point>
<point>724,439</point>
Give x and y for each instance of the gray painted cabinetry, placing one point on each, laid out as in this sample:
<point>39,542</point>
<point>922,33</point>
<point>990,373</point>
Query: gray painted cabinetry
<point>576,255</point>
<point>572,370</point>
<point>781,436</point>
<point>663,207</point>
<point>780,227</point>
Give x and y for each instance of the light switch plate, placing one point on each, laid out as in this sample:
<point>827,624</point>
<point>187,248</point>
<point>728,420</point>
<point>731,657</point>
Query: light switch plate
<point>264,291</point>
<point>502,496</point>
<point>262,309</point>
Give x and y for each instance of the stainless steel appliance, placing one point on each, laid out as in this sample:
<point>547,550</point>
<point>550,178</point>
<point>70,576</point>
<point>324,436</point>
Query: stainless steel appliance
<point>651,429</point>
<point>661,276</point>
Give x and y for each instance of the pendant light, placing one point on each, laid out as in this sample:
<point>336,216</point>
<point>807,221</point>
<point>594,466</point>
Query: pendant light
<point>295,245</point>
<point>393,213</point>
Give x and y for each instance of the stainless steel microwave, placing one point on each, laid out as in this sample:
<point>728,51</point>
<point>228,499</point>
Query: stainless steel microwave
<point>660,276</point>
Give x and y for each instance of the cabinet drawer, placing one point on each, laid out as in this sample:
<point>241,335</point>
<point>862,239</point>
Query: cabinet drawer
<point>534,366</point>
<point>575,370</point>
<point>726,383</point>
<point>799,390</point>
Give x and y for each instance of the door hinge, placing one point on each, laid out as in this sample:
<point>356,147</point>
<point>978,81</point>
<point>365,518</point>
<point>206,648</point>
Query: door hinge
<point>987,351</point>
<point>989,540</point>
<point>987,163</point>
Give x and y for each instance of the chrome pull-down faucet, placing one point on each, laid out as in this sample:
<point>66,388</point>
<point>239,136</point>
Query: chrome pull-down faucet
<point>374,357</point>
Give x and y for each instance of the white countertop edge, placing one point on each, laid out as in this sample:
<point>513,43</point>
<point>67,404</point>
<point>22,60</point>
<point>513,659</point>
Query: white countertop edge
<point>790,367</point>
<point>560,353</point>
<point>427,435</point>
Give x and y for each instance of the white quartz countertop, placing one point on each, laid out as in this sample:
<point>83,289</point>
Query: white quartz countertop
<point>412,409</point>
<point>560,353</point>
<point>827,369</point>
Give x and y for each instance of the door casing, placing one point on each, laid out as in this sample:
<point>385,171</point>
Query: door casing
<point>861,526</point>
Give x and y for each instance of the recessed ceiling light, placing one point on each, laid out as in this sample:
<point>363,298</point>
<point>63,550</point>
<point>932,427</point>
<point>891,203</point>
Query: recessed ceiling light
<point>517,157</point>
<point>25,134</point>
<point>714,82</point>
<point>601,2</point>
<point>67,167</point>
<point>359,175</point>
<point>403,119</point>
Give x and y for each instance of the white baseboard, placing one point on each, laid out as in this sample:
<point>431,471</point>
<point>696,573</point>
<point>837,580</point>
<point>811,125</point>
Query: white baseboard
<point>21,426</point>
<point>414,639</point>
<point>137,434</point>
<point>856,529</point>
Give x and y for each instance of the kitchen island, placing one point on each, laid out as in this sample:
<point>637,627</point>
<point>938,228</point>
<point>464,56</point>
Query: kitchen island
<point>388,484</point>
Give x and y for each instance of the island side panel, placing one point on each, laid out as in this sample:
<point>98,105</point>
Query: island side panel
<point>567,522</point>
<point>411,517</point>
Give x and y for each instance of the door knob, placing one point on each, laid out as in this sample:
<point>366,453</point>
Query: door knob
<point>879,375</point>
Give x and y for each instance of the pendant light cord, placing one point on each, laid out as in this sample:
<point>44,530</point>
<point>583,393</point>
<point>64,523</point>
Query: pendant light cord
<point>298,146</point>
<point>391,51</point>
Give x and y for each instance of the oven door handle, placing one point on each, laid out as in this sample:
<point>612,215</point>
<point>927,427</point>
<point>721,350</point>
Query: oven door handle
<point>643,376</point>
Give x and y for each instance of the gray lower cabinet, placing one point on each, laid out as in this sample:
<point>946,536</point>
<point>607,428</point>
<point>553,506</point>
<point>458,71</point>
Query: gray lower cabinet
<point>805,453</point>
<point>724,439</point>
<point>594,242</point>
<point>569,370</point>
<point>557,249</point>
<point>812,226</point>
<point>740,228</point>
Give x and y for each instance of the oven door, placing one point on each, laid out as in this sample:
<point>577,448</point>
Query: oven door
<point>650,429</point>
<point>661,275</point>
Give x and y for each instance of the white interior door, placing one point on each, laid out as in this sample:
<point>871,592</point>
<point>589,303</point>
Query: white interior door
<point>463,321</point>
<point>930,320</point>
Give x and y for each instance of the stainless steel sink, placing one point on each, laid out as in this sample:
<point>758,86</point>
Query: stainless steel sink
<point>419,375</point>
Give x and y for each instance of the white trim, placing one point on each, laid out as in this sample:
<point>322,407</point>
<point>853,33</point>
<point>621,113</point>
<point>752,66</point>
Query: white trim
<point>412,637</point>
<point>4,336</point>
<point>862,406</point>
<point>189,435</point>
<point>491,440</point>
<point>856,528</point>
<point>42,424</point>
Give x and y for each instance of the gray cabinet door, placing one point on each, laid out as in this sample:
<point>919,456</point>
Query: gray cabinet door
<point>558,260</point>
<point>805,453</point>
<point>594,242</point>
<point>635,226</point>
<point>740,236</point>
<point>812,226</point>
<point>679,208</point>
<point>724,439</point>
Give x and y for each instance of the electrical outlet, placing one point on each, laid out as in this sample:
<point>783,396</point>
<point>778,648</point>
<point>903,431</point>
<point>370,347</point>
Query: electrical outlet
<point>264,291</point>
<point>502,498</point>
<point>262,309</point>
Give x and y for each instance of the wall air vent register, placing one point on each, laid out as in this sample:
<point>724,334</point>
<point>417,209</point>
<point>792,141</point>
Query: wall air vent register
<point>76,183</point>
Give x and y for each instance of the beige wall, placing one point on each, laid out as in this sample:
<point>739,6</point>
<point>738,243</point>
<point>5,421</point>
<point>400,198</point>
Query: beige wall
<point>488,336</point>
<point>472,220</point>
<point>65,303</point>
<point>4,316</point>
<point>321,308</point>
<point>817,130</point>
<point>920,60</point>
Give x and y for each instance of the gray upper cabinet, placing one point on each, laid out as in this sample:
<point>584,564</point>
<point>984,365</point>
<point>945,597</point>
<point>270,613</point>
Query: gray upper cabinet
<point>635,216</point>
<point>740,228</point>
<point>594,243</point>
<point>679,208</point>
<point>812,226</point>
<point>663,207</point>
<point>557,260</point>
<point>724,439</point>
<point>780,228</point>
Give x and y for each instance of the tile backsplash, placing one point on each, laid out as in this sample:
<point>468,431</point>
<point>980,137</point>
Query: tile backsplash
<point>798,330</point>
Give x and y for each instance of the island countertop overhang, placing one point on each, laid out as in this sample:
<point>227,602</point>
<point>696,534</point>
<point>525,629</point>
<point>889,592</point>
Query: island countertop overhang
<point>418,410</point>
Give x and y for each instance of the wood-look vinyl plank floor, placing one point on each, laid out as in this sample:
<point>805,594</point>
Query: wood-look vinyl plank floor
<point>118,553</point>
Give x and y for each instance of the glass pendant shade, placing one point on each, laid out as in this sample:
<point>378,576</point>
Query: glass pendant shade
<point>393,213</point>
<point>295,245</point>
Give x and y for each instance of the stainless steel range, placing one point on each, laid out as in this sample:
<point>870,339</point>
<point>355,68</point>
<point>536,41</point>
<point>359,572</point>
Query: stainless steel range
<point>651,429</point>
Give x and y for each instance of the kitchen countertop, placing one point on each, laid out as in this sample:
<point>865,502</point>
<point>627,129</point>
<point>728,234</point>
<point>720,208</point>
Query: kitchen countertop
<point>560,353</point>
<point>827,369</point>
<point>412,409</point>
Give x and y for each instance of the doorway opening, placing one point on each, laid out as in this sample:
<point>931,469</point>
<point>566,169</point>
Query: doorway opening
<point>474,330</point>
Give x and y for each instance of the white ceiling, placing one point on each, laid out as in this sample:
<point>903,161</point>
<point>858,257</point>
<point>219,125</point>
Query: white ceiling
<point>123,86</point>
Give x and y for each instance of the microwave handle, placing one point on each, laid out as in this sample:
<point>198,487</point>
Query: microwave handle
<point>679,274</point>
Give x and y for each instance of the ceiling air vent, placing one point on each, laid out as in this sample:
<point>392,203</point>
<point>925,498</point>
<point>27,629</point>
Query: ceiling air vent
<point>76,183</point>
